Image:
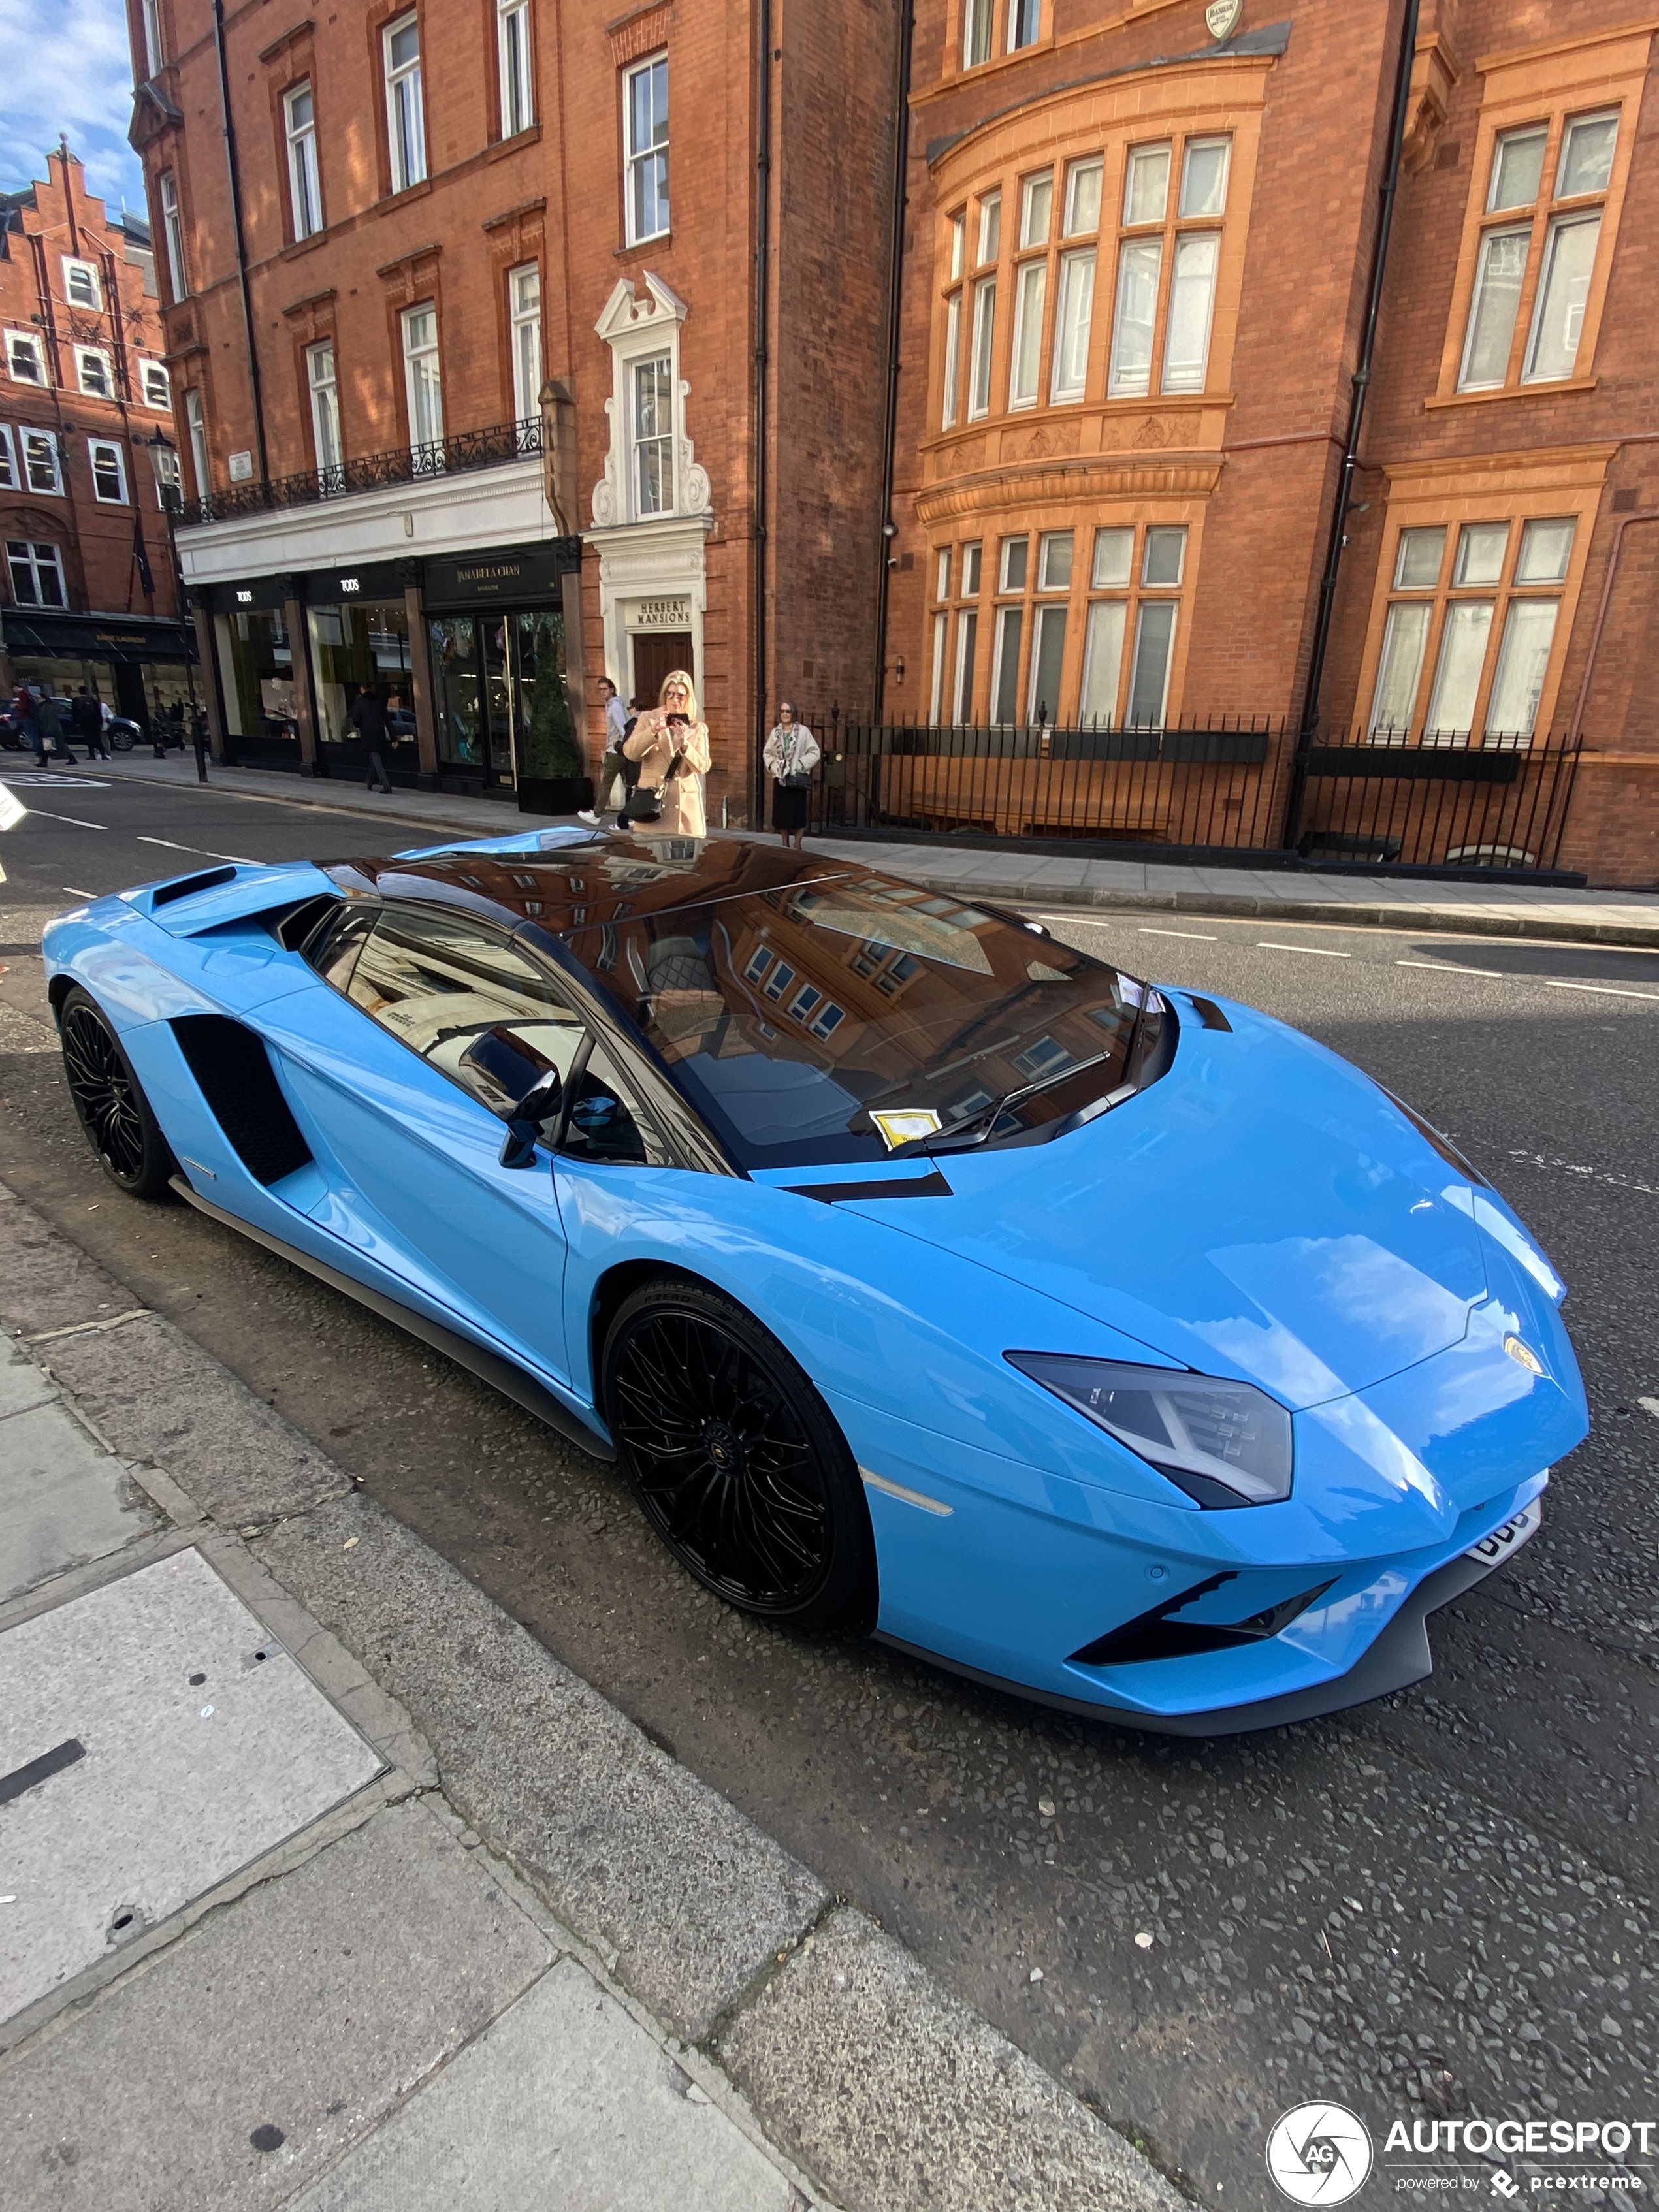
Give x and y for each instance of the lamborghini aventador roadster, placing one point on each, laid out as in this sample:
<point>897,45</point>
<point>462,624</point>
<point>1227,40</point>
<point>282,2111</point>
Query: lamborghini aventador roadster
<point>1115,1344</point>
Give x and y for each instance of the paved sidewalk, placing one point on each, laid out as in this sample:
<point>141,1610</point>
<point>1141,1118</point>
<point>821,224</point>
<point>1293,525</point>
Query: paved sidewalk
<point>323,1885</point>
<point>1026,878</point>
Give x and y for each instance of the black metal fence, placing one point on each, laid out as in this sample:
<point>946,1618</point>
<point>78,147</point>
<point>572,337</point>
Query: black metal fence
<point>1227,788</point>
<point>467,450</point>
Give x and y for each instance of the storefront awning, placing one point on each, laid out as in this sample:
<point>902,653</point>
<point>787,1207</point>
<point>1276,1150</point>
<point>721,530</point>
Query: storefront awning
<point>97,637</point>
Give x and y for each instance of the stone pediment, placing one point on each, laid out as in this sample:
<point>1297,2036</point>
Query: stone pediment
<point>153,114</point>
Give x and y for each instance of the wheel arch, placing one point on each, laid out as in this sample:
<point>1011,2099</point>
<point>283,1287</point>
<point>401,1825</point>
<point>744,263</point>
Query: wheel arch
<point>617,1284</point>
<point>58,989</point>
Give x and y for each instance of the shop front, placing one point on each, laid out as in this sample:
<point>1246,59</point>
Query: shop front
<point>142,669</point>
<point>495,642</point>
<point>358,627</point>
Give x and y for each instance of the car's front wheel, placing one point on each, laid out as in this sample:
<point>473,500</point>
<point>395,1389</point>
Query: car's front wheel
<point>737,1461</point>
<point>109,1102</point>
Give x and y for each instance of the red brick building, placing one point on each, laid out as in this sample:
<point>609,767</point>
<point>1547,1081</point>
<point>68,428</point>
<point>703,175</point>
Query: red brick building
<point>1142,244</point>
<point>87,588</point>
<point>501,328</point>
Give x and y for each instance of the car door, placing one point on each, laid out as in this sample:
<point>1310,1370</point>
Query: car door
<point>435,1028</point>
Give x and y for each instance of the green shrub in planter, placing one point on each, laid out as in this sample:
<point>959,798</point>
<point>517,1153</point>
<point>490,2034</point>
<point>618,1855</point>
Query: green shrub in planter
<point>551,752</point>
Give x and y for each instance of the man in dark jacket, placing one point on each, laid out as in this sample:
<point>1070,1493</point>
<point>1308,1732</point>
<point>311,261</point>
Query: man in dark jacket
<point>87,717</point>
<point>49,732</point>
<point>367,718</point>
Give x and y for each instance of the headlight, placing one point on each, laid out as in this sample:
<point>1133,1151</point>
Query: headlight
<point>1223,1443</point>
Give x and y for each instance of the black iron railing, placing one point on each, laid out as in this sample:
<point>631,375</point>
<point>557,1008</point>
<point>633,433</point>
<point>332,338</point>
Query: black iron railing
<point>467,450</point>
<point>1216,786</point>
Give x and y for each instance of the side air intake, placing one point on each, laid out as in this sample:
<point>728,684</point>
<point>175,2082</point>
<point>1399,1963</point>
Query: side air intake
<point>183,887</point>
<point>235,1074</point>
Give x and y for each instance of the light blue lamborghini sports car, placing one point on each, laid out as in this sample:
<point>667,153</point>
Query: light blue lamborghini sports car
<point>1116,1346</point>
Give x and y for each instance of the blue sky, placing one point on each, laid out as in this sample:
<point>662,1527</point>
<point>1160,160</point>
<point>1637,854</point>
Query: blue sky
<point>67,70</point>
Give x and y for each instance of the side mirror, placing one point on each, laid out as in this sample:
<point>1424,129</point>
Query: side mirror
<point>539,1103</point>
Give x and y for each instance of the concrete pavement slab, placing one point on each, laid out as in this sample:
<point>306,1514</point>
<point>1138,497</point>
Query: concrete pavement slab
<point>187,1742</point>
<point>894,2094</point>
<point>159,1397</point>
<point>21,1383</point>
<point>565,2101</point>
<point>631,1850</point>
<point>62,1501</point>
<point>309,2009</point>
<point>48,1283</point>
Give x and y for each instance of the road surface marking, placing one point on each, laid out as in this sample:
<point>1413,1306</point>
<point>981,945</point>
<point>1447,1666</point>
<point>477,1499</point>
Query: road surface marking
<point>202,851</point>
<point>75,893</point>
<point>1607,990</point>
<point>1196,936</point>
<point>1324,953</point>
<point>73,819</point>
<point>1596,1175</point>
<point>1450,968</point>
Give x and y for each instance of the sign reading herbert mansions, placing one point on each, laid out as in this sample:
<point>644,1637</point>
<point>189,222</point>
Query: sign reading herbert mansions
<point>659,614</point>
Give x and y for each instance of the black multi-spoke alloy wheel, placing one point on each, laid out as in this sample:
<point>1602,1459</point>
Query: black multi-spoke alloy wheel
<point>737,1461</point>
<point>111,1108</point>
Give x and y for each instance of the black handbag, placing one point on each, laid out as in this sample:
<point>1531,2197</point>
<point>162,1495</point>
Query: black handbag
<point>644,804</point>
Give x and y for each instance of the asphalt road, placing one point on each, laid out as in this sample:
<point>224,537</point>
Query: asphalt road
<point>1438,1906</point>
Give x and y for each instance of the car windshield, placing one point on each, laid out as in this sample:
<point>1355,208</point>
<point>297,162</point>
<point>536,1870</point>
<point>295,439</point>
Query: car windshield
<point>836,1021</point>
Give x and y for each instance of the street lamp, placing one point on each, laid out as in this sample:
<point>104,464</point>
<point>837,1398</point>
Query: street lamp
<point>164,460</point>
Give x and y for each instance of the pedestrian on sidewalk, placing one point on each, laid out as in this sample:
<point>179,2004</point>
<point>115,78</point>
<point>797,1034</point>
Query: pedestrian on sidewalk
<point>613,769</point>
<point>87,713</point>
<point>791,754</point>
<point>49,731</point>
<point>671,747</point>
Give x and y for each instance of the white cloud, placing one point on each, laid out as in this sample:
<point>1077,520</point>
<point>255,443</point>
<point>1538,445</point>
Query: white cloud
<point>67,69</point>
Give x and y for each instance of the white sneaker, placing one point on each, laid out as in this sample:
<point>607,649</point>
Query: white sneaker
<point>586,814</point>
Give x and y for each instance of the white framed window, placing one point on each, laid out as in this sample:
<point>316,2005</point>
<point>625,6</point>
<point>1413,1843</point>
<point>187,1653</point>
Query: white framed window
<point>1024,22</point>
<point>1073,318</point>
<point>1523,659</point>
<point>1558,320</point>
<point>196,424</point>
<point>1546,549</point>
<point>651,409</point>
<point>1139,262</point>
<point>1192,306</point>
<point>37,574</point>
<point>1047,665</point>
<point>524,301</point>
<point>323,392</point>
<point>1083,180</point>
<point>93,373</point>
<point>422,377</point>
<point>1163,557</point>
<point>1004,676</point>
<point>1146,185</point>
<point>1400,668</point>
<point>967,645</point>
<point>990,228</point>
<point>43,468</point>
<point>1149,681</point>
<point>644,117</point>
<point>984,322</point>
<point>972,555</point>
<point>109,472</point>
<point>1102,662</point>
<point>512,54</point>
<point>1497,279</point>
<point>405,112</point>
<point>942,572</point>
<point>305,183</point>
<point>155,384</point>
<point>976,31</point>
<point>1115,558</point>
<point>1054,550</point>
<point>81,285</point>
<point>7,460</point>
<point>1014,556</point>
<point>1204,166</point>
<point>169,481</point>
<point>1518,169</point>
<point>1035,205</point>
<point>936,696</point>
<point>1030,291</point>
<point>172,233</point>
<point>25,358</point>
<point>154,54</point>
<point>952,359</point>
<point>1464,638</point>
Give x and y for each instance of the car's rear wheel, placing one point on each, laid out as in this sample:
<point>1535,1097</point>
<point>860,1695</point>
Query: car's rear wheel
<point>109,1101</point>
<point>737,1461</point>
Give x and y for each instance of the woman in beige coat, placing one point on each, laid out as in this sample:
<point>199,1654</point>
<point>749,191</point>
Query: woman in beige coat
<point>671,747</point>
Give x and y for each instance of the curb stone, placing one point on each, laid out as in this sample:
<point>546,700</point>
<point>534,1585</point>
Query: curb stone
<point>884,2087</point>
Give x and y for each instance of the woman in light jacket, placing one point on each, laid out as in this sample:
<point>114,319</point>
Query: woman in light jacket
<point>671,747</point>
<point>791,754</point>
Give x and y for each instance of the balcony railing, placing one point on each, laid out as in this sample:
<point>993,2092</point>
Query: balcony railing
<point>467,450</point>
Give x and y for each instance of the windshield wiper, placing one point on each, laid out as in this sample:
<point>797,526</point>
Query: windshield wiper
<point>977,1128</point>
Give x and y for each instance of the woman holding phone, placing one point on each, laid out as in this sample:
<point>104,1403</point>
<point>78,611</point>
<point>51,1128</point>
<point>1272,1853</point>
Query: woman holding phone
<point>671,747</point>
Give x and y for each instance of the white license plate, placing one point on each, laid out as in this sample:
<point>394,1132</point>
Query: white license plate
<point>1509,1538</point>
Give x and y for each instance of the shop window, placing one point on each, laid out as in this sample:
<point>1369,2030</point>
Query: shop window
<point>256,663</point>
<point>513,58</point>
<point>404,105</point>
<point>1471,618</point>
<point>156,384</point>
<point>109,475</point>
<point>25,358</point>
<point>37,574</point>
<point>645,113</point>
<point>423,383</point>
<point>7,460</point>
<point>172,234</point>
<point>43,470</point>
<point>360,648</point>
<point>323,389</point>
<point>305,183</point>
<point>524,298</point>
<point>81,286</point>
